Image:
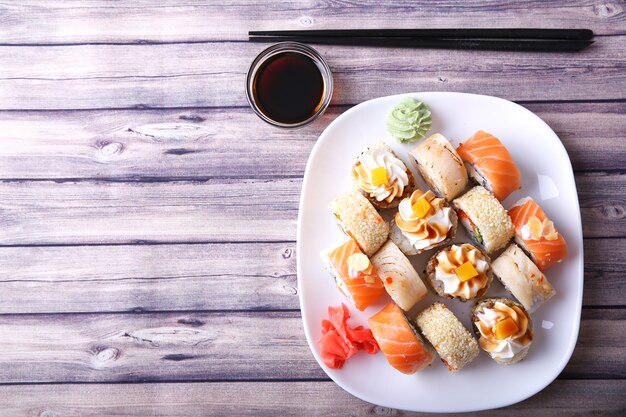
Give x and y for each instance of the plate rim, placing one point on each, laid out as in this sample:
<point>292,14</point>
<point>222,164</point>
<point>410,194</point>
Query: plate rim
<point>310,340</point>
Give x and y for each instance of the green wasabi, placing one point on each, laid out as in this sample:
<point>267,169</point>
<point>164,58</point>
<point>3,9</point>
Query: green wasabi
<point>409,120</point>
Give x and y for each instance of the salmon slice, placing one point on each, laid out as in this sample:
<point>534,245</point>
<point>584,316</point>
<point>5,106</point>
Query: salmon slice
<point>403,347</point>
<point>491,164</point>
<point>362,289</point>
<point>543,252</point>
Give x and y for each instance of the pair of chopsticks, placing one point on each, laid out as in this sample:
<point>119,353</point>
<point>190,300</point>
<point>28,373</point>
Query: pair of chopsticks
<point>532,40</point>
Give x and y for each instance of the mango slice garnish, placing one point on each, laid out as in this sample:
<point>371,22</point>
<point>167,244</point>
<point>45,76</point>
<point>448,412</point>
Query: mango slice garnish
<point>539,229</point>
<point>548,230</point>
<point>359,262</point>
<point>379,176</point>
<point>466,271</point>
<point>421,207</point>
<point>534,227</point>
<point>505,328</point>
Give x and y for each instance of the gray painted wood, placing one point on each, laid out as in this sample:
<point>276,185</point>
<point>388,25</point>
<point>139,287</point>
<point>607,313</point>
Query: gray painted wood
<point>311,398</point>
<point>148,278</point>
<point>213,74</point>
<point>219,346</point>
<point>201,143</point>
<point>238,276</point>
<point>222,210</point>
<point>194,20</point>
<point>106,212</point>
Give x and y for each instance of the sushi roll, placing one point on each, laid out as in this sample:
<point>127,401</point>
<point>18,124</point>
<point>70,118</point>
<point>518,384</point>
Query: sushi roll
<point>521,277</point>
<point>452,341</point>
<point>484,218</point>
<point>460,271</point>
<point>402,345</point>
<point>400,279</point>
<point>440,166</point>
<point>423,222</point>
<point>354,274</point>
<point>382,177</point>
<point>504,329</point>
<point>490,164</point>
<point>360,220</point>
<point>536,234</point>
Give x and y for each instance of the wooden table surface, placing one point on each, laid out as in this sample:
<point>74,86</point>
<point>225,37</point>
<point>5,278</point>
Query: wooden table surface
<point>148,217</point>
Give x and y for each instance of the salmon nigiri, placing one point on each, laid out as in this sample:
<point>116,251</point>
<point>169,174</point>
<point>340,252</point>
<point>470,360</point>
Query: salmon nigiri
<point>403,347</point>
<point>490,164</point>
<point>355,275</point>
<point>536,234</point>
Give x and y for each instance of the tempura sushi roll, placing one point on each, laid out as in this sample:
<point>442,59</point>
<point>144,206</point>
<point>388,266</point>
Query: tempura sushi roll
<point>360,220</point>
<point>354,274</point>
<point>536,234</point>
<point>440,166</point>
<point>452,341</point>
<point>382,177</point>
<point>490,164</point>
<point>400,279</point>
<point>460,271</point>
<point>402,345</point>
<point>484,218</point>
<point>504,329</point>
<point>521,277</point>
<point>423,222</point>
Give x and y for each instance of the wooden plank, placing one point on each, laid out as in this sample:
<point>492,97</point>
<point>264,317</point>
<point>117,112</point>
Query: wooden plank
<point>109,212</point>
<point>602,198</point>
<point>217,142</point>
<point>319,398</point>
<point>207,74</point>
<point>100,21</point>
<point>148,278</point>
<point>47,212</point>
<point>259,276</point>
<point>200,346</point>
<point>604,271</point>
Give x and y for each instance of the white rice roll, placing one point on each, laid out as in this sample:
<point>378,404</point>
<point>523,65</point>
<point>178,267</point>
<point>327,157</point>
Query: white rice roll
<point>522,278</point>
<point>400,279</point>
<point>440,166</point>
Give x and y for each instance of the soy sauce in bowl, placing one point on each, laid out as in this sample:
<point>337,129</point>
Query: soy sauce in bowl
<point>289,85</point>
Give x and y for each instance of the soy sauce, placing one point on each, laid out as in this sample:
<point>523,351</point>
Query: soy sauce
<point>289,87</point>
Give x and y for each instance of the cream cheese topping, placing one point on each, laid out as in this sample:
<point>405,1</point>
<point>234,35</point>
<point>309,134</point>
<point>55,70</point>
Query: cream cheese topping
<point>428,230</point>
<point>506,348</point>
<point>381,156</point>
<point>454,257</point>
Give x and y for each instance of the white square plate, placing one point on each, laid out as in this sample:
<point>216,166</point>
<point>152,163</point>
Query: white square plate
<point>546,176</point>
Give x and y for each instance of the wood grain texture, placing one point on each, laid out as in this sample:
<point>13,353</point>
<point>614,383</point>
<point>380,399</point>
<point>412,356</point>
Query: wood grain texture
<point>148,278</point>
<point>217,143</point>
<point>195,20</point>
<point>323,399</point>
<point>210,211</point>
<point>602,198</point>
<point>259,276</point>
<point>110,212</point>
<point>218,346</point>
<point>213,74</point>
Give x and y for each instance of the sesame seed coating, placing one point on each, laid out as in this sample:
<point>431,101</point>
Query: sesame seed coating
<point>488,215</point>
<point>360,220</point>
<point>452,341</point>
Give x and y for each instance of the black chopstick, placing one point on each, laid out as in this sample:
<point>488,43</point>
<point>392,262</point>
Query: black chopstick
<point>514,33</point>
<point>540,45</point>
